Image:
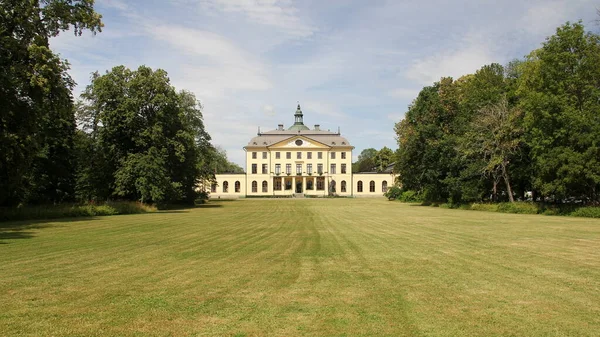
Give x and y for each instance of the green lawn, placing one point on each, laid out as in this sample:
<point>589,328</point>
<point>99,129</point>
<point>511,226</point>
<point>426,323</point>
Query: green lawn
<point>331,267</point>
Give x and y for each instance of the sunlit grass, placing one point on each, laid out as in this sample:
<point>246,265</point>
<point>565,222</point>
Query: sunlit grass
<point>331,267</point>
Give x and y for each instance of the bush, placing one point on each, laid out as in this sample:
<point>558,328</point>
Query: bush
<point>74,210</point>
<point>484,207</point>
<point>393,193</point>
<point>518,207</point>
<point>411,196</point>
<point>587,212</point>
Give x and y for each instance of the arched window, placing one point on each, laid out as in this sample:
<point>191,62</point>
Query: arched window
<point>372,186</point>
<point>237,187</point>
<point>359,186</point>
<point>213,188</point>
<point>384,186</point>
<point>265,187</point>
<point>343,187</point>
<point>254,187</point>
<point>225,187</point>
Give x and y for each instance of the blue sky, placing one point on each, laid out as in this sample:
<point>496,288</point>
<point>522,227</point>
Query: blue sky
<point>356,64</point>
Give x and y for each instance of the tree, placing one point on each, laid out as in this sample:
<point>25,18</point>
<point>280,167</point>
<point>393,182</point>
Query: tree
<point>383,158</point>
<point>36,113</point>
<point>366,161</point>
<point>495,137</point>
<point>148,139</point>
<point>221,164</point>
<point>560,87</point>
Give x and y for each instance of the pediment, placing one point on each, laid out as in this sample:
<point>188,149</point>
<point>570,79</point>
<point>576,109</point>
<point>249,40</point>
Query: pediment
<point>299,142</point>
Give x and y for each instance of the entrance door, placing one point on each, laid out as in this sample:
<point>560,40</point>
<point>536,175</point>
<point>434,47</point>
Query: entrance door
<point>299,187</point>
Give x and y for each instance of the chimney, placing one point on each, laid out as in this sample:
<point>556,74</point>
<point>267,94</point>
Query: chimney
<point>317,127</point>
<point>280,127</point>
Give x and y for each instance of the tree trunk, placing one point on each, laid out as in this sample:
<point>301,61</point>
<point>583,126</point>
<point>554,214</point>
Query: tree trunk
<point>495,191</point>
<point>507,181</point>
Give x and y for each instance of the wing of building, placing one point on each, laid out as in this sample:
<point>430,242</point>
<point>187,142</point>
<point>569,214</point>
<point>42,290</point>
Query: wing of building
<point>299,161</point>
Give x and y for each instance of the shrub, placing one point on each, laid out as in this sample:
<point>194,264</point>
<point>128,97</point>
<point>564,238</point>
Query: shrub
<point>74,210</point>
<point>410,196</point>
<point>518,207</point>
<point>393,193</point>
<point>484,207</point>
<point>587,212</point>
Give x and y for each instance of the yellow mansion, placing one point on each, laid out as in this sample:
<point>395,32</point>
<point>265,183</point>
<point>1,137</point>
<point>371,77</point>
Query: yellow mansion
<point>299,162</point>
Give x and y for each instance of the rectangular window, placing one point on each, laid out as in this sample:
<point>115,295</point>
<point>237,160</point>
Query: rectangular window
<point>288,169</point>
<point>309,168</point>
<point>343,155</point>
<point>298,155</point>
<point>264,155</point>
<point>288,155</point>
<point>277,168</point>
<point>320,168</point>
<point>309,155</point>
<point>277,155</point>
<point>332,155</point>
<point>332,169</point>
<point>319,155</point>
<point>309,184</point>
<point>288,184</point>
<point>298,169</point>
<point>253,155</point>
<point>343,168</point>
<point>265,169</point>
<point>277,184</point>
<point>254,171</point>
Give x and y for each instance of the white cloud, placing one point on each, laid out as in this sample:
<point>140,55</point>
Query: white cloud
<point>471,54</point>
<point>542,18</point>
<point>279,14</point>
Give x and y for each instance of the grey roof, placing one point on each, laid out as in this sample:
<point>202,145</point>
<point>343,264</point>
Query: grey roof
<point>333,139</point>
<point>269,138</point>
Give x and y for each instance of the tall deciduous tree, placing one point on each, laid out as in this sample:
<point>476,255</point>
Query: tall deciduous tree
<point>147,139</point>
<point>366,161</point>
<point>560,90</point>
<point>36,113</point>
<point>495,138</point>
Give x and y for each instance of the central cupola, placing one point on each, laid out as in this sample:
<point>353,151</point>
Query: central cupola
<point>298,121</point>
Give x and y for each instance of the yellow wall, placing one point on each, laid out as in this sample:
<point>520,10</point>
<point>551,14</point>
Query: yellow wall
<point>230,193</point>
<point>366,179</point>
<point>309,146</point>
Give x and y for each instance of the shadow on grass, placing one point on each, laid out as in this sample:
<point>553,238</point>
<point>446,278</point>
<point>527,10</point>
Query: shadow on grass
<point>209,206</point>
<point>26,229</point>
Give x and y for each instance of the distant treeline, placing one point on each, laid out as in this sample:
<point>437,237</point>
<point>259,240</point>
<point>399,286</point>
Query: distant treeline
<point>131,136</point>
<point>527,130</point>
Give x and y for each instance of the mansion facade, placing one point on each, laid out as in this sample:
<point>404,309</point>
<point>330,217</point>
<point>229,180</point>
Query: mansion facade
<point>299,162</point>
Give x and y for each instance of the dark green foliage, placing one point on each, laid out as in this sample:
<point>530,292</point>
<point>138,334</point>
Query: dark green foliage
<point>36,110</point>
<point>410,196</point>
<point>533,125</point>
<point>365,162</point>
<point>587,212</point>
<point>393,193</point>
<point>560,90</point>
<point>220,164</point>
<point>73,210</point>
<point>148,139</point>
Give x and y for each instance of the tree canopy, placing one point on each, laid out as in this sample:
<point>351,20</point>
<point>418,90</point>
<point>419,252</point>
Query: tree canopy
<point>36,115</point>
<point>534,124</point>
